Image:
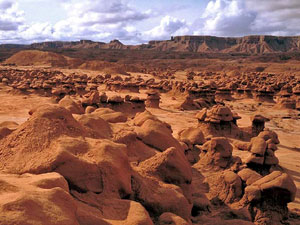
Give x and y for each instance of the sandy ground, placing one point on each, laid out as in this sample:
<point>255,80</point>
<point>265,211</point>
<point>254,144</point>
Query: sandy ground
<point>15,107</point>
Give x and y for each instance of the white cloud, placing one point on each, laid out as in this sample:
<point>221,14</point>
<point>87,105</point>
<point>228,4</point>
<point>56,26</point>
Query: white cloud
<point>225,18</point>
<point>102,20</point>
<point>169,26</point>
<point>92,12</point>
<point>276,17</point>
<point>10,17</point>
<point>249,17</point>
<point>99,19</point>
<point>36,32</point>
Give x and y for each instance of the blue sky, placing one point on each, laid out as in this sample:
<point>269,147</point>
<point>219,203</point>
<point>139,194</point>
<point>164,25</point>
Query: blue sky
<point>138,21</point>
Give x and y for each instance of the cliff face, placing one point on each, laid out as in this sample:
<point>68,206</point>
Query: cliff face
<point>115,44</point>
<point>206,44</point>
<point>248,44</point>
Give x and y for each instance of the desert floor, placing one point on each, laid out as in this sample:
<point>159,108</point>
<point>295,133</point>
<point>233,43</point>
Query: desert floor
<point>14,107</point>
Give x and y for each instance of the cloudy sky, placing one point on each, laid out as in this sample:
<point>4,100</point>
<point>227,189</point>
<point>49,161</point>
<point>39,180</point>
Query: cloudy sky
<point>138,21</point>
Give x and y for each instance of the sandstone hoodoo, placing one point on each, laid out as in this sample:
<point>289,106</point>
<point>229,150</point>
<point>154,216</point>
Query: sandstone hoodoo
<point>219,121</point>
<point>265,94</point>
<point>285,99</point>
<point>258,124</point>
<point>223,94</point>
<point>153,99</point>
<point>169,132</point>
<point>215,153</point>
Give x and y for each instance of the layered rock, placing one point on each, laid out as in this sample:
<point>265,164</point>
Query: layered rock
<point>153,99</point>
<point>219,121</point>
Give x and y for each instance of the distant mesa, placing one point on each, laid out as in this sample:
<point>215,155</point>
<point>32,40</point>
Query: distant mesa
<point>82,44</point>
<point>255,44</point>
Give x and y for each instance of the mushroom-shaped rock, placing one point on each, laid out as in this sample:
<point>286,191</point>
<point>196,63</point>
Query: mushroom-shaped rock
<point>219,121</point>
<point>153,99</point>
<point>267,198</point>
<point>278,182</point>
<point>220,113</point>
<point>215,153</point>
<point>258,124</point>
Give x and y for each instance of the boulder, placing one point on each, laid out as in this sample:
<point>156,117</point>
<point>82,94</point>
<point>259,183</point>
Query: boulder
<point>157,135</point>
<point>255,159</point>
<point>270,158</point>
<point>116,117</point>
<point>4,131</point>
<point>53,141</point>
<point>267,198</point>
<point>97,209</point>
<point>90,109</point>
<point>97,124</point>
<point>216,153</point>
<point>36,199</point>
<point>191,136</point>
<point>242,145</point>
<point>171,219</point>
<point>268,134</point>
<point>249,176</point>
<point>71,105</point>
<point>170,166</point>
<point>258,146</point>
<point>225,186</point>
<point>159,197</point>
<point>278,186</point>
<point>91,99</point>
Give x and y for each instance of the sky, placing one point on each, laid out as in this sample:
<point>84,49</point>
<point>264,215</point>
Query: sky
<point>139,21</point>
